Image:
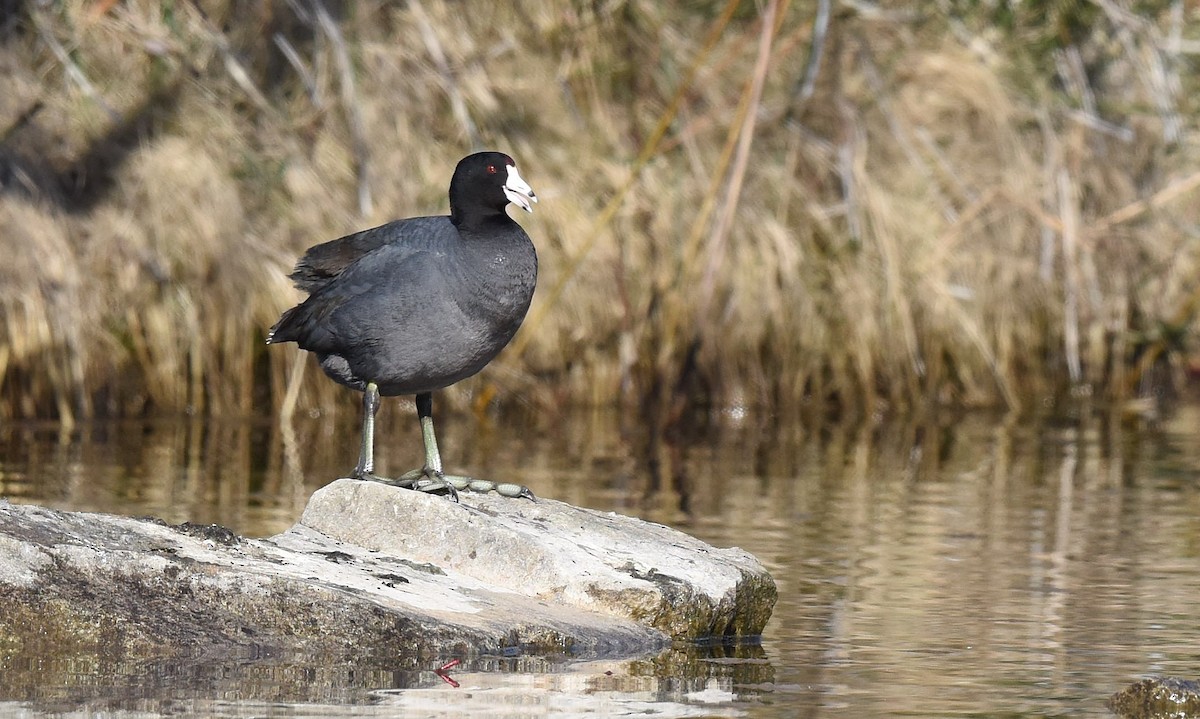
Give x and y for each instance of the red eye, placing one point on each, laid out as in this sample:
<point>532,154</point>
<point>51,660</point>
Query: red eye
<point>491,169</point>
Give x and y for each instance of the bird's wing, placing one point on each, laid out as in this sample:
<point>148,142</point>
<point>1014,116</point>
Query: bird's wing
<point>324,262</point>
<point>409,252</point>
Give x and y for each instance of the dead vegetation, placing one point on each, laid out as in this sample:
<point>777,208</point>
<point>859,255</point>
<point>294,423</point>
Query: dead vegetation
<point>831,206</point>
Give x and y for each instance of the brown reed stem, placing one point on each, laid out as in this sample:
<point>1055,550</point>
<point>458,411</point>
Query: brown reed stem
<point>351,106</point>
<point>720,234</point>
<point>572,264</point>
<point>74,72</point>
<point>457,104</point>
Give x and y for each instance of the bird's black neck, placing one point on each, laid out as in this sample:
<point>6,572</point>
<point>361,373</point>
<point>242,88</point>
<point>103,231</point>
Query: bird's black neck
<point>478,220</point>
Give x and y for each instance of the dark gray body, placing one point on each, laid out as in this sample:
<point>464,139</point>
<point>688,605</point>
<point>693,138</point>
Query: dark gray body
<point>414,305</point>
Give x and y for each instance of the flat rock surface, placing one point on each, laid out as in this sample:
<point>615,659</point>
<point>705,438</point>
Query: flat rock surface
<point>601,562</point>
<point>372,570</point>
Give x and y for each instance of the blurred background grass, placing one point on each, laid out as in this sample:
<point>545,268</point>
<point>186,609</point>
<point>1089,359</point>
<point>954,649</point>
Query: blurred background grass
<point>803,206</point>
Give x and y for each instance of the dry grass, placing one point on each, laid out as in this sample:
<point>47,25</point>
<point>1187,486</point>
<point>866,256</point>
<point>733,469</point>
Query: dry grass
<point>934,224</point>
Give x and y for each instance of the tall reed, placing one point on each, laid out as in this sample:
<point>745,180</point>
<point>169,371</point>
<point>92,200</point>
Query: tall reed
<point>762,204</point>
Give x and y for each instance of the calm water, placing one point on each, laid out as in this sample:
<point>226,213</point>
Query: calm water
<point>972,568</point>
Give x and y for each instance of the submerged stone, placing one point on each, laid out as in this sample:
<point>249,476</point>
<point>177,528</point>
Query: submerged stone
<point>371,570</point>
<point>1158,698</point>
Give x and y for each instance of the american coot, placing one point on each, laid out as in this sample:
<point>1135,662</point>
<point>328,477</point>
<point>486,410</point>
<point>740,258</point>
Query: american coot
<point>419,304</point>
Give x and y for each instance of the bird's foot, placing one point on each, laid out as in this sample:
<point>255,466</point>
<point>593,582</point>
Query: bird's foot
<point>434,482</point>
<point>428,480</point>
<point>420,480</point>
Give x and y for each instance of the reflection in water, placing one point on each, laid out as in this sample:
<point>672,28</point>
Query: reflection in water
<point>246,687</point>
<point>960,568</point>
<point>230,473</point>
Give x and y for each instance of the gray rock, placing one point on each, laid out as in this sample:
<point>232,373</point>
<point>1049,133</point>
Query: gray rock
<point>371,570</point>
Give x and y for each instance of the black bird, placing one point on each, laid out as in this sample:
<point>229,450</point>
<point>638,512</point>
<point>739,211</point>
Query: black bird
<point>418,304</point>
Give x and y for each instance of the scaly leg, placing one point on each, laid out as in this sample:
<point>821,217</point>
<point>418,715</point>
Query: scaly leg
<point>366,452</point>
